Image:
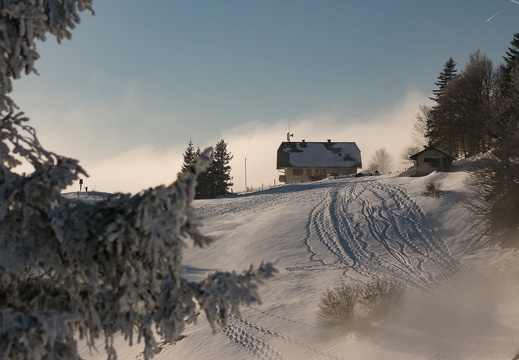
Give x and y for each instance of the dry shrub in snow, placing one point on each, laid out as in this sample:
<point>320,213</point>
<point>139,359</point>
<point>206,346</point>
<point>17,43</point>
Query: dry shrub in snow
<point>92,270</point>
<point>351,308</point>
<point>336,307</point>
<point>433,189</point>
<point>379,297</point>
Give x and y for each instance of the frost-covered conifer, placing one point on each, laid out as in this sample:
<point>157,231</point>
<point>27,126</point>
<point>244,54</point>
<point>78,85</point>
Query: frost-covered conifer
<point>70,268</point>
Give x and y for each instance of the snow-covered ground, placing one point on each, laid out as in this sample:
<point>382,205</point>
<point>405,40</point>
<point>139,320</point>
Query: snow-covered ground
<point>460,301</point>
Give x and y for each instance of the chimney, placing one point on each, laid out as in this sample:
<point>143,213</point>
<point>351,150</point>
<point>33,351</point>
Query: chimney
<point>329,141</point>
<point>303,140</point>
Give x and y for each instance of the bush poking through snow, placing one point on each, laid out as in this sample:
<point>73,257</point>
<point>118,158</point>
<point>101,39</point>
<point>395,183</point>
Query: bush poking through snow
<point>433,189</point>
<point>353,308</point>
<point>379,297</point>
<point>336,307</point>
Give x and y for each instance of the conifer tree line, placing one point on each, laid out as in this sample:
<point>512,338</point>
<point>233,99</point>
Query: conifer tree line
<point>217,179</point>
<point>458,121</point>
<point>465,115</point>
<point>476,112</point>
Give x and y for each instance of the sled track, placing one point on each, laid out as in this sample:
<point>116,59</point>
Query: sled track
<point>362,226</point>
<point>376,229</point>
<point>244,339</point>
<point>299,323</point>
<point>256,202</point>
<point>245,334</point>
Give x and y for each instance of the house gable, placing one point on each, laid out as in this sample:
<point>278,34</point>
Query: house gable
<point>434,151</point>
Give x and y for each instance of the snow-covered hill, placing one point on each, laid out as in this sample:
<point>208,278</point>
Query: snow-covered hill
<point>459,301</point>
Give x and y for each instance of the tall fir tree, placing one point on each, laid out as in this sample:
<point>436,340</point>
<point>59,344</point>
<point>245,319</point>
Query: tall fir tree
<point>221,168</point>
<point>505,70</point>
<point>447,74</point>
<point>217,179</point>
<point>437,115</point>
<point>512,55</point>
<point>190,155</point>
<point>505,117</point>
<point>204,180</point>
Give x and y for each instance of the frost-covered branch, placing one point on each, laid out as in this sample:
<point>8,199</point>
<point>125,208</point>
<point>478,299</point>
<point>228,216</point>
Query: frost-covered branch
<point>70,268</point>
<point>108,267</point>
<point>22,23</point>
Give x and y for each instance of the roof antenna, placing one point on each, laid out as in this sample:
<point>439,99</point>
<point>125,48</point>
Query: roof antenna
<point>289,135</point>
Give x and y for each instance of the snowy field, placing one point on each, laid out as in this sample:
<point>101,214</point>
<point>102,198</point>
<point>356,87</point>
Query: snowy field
<point>460,301</point>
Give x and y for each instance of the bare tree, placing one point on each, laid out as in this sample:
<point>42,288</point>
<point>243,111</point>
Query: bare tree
<point>408,152</point>
<point>419,134</point>
<point>381,162</point>
<point>421,126</point>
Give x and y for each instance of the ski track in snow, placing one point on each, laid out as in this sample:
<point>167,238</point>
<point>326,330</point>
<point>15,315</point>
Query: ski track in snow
<point>281,317</point>
<point>246,334</point>
<point>364,226</point>
<point>243,338</point>
<point>261,201</point>
<point>376,229</point>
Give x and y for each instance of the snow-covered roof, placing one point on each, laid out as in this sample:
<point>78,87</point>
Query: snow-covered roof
<point>415,156</point>
<point>319,154</point>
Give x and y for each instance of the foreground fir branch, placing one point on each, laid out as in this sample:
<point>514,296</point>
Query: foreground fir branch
<point>92,270</point>
<point>99,268</point>
<point>24,22</point>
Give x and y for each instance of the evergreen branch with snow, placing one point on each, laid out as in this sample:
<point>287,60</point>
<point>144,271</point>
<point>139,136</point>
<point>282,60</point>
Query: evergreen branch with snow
<point>71,268</point>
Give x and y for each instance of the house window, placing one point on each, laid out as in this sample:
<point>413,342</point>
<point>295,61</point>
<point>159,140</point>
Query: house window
<point>431,161</point>
<point>297,172</point>
<point>309,172</point>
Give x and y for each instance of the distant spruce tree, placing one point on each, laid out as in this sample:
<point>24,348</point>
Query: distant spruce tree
<point>190,156</point>
<point>217,179</point>
<point>447,74</point>
<point>221,169</point>
<point>505,115</point>
<point>203,187</point>
<point>504,78</point>
<point>512,55</point>
<point>438,117</point>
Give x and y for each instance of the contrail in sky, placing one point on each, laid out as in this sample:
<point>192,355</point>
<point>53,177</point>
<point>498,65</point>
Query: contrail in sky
<point>514,1</point>
<point>497,13</point>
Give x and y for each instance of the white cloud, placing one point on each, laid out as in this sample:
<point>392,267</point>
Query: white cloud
<point>259,142</point>
<point>133,170</point>
<point>148,165</point>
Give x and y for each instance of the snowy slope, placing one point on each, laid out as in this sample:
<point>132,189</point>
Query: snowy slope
<point>459,301</point>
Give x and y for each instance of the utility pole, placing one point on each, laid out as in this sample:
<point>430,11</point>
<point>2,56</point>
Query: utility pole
<point>245,174</point>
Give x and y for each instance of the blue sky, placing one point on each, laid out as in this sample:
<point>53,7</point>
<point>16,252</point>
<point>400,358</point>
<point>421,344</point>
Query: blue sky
<point>140,79</point>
